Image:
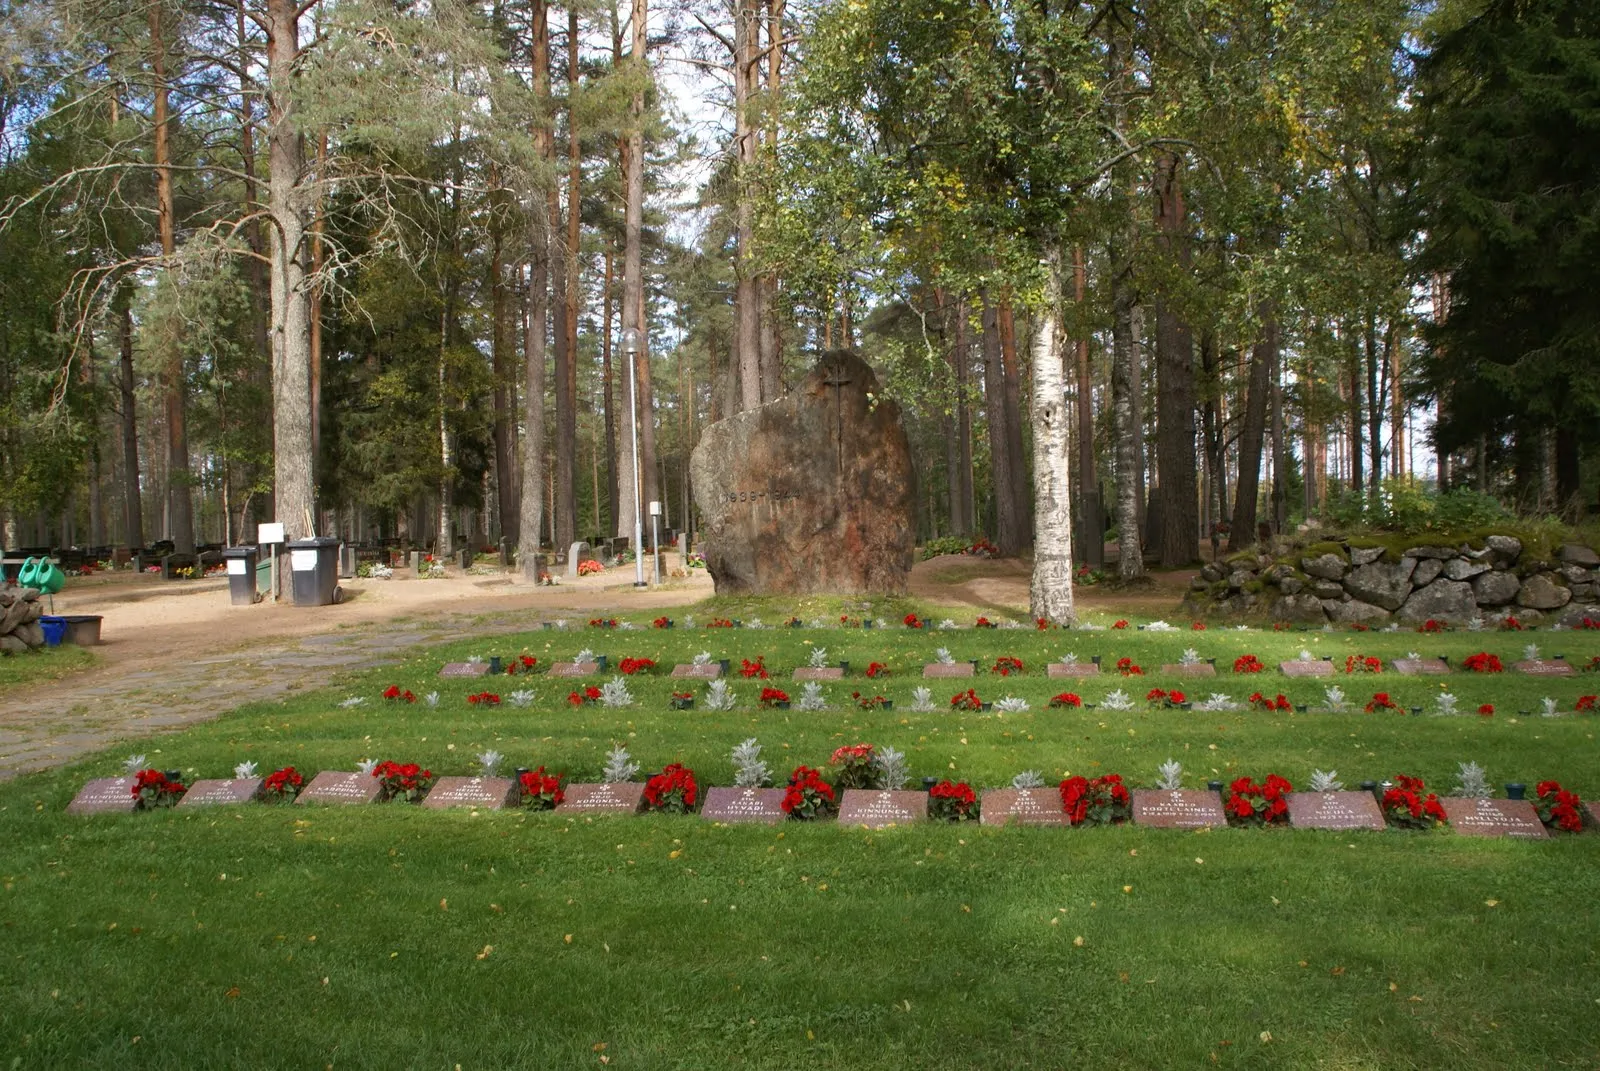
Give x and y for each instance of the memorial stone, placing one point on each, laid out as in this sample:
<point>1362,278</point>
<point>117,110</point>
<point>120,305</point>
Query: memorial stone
<point>1493,818</point>
<point>610,797</point>
<point>1177,808</point>
<point>818,673</point>
<point>332,786</point>
<point>230,790</point>
<point>573,669</point>
<point>578,552</point>
<point>1545,667</point>
<point>1073,669</point>
<point>744,805</point>
<point>1023,807</point>
<point>104,795</point>
<point>464,669</point>
<point>1335,810</point>
<point>1190,669</point>
<point>709,671</point>
<point>1302,668</point>
<point>1423,667</point>
<point>491,793</point>
<point>948,669</point>
<point>876,808</point>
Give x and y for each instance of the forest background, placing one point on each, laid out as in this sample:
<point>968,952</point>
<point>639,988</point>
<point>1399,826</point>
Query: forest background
<point>380,270</point>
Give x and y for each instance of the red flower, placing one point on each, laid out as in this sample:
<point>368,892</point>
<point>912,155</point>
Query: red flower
<point>1585,704</point>
<point>1487,710</point>
<point>1101,801</point>
<point>673,790</point>
<point>1176,698</point>
<point>1198,626</point>
<point>758,668</point>
<point>1380,701</point>
<point>967,700</point>
<point>1483,662</point>
<point>1127,668</point>
<point>1005,665</point>
<point>630,666</point>
<point>984,622</point>
<point>912,621</point>
<point>661,622</point>
<point>488,699</point>
<point>770,696</point>
<point>877,669</point>
<point>540,790</point>
<point>392,692</point>
<point>1122,623</point>
<point>1431,625</point>
<point>1041,623</point>
<point>1066,699</point>
<point>1510,624</point>
<point>1155,695</point>
<point>1247,664</point>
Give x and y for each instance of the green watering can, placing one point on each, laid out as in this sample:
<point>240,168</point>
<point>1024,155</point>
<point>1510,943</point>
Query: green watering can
<point>43,574</point>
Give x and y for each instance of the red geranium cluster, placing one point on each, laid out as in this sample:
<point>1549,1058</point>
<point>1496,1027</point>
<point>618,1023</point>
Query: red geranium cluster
<point>661,622</point>
<point>983,549</point>
<point>869,702</point>
<point>1381,701</point>
<point>1558,808</point>
<point>151,789</point>
<point>1102,801</point>
<point>403,781</point>
<point>1483,662</point>
<point>673,790</point>
<point>1593,665</point>
<point>487,699</point>
<point>876,670</point>
<point>282,784</point>
<point>1431,625</point>
<point>541,791</point>
<point>1247,664</point>
<point>394,694</point>
<point>857,768</point>
<point>1589,623</point>
<point>589,567</point>
<point>1363,664</point>
<point>1120,623</point>
<point>1041,623</point>
<point>967,700</point>
<point>770,696</point>
<point>1198,626</point>
<point>1162,698</point>
<point>1409,804</point>
<point>1267,704</point>
<point>793,622</point>
<point>1066,699</point>
<point>1005,665</point>
<point>1128,668</point>
<point>1585,704</point>
<point>1486,711</point>
<point>808,795</point>
<point>1509,623</point>
<point>950,801</point>
<point>913,621</point>
<point>719,622</point>
<point>758,668</point>
<point>521,664</point>
<point>591,694</point>
<point>602,622</point>
<point>630,666</point>
<point>1253,804</point>
<point>983,622</point>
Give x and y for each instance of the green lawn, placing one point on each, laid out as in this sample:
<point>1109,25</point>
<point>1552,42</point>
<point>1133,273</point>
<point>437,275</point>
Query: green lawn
<point>393,936</point>
<point>45,664</point>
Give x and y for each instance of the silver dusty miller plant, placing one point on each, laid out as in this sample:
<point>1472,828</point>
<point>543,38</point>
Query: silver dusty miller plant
<point>1334,697</point>
<point>1117,700</point>
<point>490,761</point>
<point>1011,704</point>
<point>719,696</point>
<point>432,699</point>
<point>614,693</point>
<point>619,766</point>
<point>1190,657</point>
<point>811,697</point>
<point>819,658</point>
<point>133,764</point>
<point>702,659</point>
<point>1028,779</point>
<point>1326,781</point>
<point>521,697</point>
<point>893,773</point>
<point>922,699</point>
<point>366,766</point>
<point>749,771</point>
<point>1446,704</point>
<point>244,771</point>
<point>583,656</point>
<point>1473,781</point>
<point>1171,779</point>
<point>944,657</point>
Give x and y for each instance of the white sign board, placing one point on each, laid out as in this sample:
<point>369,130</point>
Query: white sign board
<point>236,567</point>
<point>303,561</point>
<point>269,533</point>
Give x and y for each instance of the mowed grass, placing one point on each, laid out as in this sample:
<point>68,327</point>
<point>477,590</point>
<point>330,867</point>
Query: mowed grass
<point>393,936</point>
<point>45,664</point>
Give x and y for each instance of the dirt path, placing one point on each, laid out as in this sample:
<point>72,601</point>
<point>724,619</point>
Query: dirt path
<point>176,653</point>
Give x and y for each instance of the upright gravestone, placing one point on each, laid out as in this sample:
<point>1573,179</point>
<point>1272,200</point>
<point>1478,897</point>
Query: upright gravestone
<point>811,493</point>
<point>578,552</point>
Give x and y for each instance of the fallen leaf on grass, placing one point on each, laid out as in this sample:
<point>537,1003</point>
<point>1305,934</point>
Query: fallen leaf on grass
<point>232,992</point>
<point>1266,1036</point>
<point>1492,903</point>
<point>1337,971</point>
<point>568,938</point>
<point>444,905</point>
<point>485,953</point>
<point>1077,942</point>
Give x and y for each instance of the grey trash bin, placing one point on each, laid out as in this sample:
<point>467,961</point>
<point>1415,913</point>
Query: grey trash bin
<point>241,574</point>
<point>314,570</point>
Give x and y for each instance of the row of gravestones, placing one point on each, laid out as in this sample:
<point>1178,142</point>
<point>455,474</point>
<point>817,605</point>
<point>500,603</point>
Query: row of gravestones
<point>873,808</point>
<point>1406,667</point>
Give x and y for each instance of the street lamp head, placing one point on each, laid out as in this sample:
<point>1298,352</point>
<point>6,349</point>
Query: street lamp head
<point>630,341</point>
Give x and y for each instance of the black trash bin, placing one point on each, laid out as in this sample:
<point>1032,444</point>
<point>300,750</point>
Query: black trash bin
<point>241,574</point>
<point>314,570</point>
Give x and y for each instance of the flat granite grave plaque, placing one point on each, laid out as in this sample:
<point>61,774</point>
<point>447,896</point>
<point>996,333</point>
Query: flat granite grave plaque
<point>1545,667</point>
<point>1301,668</point>
<point>1421,667</point>
<point>1023,807</point>
<point>573,669</point>
<point>618,797</point>
<point>1335,810</point>
<point>333,786</point>
<point>104,795</point>
<point>949,669</point>
<point>1177,808</point>
<point>708,672</point>
<point>1072,669</point>
<point>490,793</point>
<point>876,808</point>
<point>818,673</point>
<point>1594,812</point>
<point>1192,669</point>
<point>744,805</point>
<point>230,790</point>
<point>1493,818</point>
<point>464,669</point>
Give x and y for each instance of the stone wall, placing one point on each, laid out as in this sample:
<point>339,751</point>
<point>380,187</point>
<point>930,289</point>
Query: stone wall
<point>1348,584</point>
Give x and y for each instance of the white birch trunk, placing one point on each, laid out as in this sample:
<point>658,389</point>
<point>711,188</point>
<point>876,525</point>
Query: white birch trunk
<point>1050,592</point>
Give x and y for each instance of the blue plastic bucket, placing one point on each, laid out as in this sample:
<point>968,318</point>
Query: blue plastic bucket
<point>54,629</point>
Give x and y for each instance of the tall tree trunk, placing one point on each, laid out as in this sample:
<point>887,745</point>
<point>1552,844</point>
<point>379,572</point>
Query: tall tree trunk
<point>1050,591</point>
<point>564,492</point>
<point>952,446</point>
<point>174,383</point>
<point>1091,516</point>
<point>1280,453</point>
<point>1263,355</point>
<point>97,526</point>
<point>1374,411</point>
<point>606,305</point>
<point>1353,420</point>
<point>1018,466</point>
<point>505,432</point>
<point>316,292</point>
<point>767,286</point>
<point>294,463</point>
<point>1008,526</point>
<point>132,507</point>
<point>256,264</point>
<point>747,295</point>
<point>534,325</point>
<point>1179,513</point>
<point>963,362</point>
<point>1124,408</point>
<point>631,488</point>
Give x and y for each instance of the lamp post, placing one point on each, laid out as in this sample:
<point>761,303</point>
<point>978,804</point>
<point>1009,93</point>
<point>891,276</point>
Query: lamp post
<point>630,349</point>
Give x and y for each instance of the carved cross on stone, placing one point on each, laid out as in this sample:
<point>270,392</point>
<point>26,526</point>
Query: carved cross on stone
<point>838,381</point>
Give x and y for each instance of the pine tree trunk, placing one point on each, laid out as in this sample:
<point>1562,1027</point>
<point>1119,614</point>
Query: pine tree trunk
<point>1374,412</point>
<point>1050,591</point>
<point>962,357</point>
<point>1125,412</point>
<point>132,507</point>
<point>1175,404</point>
<point>535,324</point>
<point>747,296</point>
<point>632,486</point>
<point>1263,355</point>
<point>1008,526</point>
<point>606,305</point>
<point>505,433</point>
<point>1090,514</point>
<point>1018,462</point>
<point>1357,483</point>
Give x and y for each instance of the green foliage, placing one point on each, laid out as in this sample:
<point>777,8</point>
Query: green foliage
<point>932,548</point>
<point>1410,507</point>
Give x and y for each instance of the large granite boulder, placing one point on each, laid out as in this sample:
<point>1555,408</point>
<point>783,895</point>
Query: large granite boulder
<point>1365,555</point>
<point>1541,592</point>
<point>1578,554</point>
<point>812,492</point>
<point>1354,612</point>
<point>1299,609</point>
<point>1442,600</point>
<point>1328,566</point>
<point>1462,569</point>
<point>1496,588</point>
<point>1382,585</point>
<point>1427,569</point>
<point>1503,550</point>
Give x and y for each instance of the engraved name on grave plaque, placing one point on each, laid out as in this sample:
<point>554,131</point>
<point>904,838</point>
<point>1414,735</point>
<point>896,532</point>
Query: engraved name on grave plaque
<point>1073,669</point>
<point>1420,667</point>
<point>744,805</point>
<point>1022,806</point>
<point>947,669</point>
<point>818,673</point>
<point>1191,669</point>
<point>232,790</point>
<point>464,669</point>
<point>707,672</point>
<point>1302,668</point>
<point>333,786</point>
<point>1544,667</point>
<point>620,797</point>
<point>877,808</point>
<point>1493,818</point>
<point>104,795</point>
<point>1594,812</point>
<point>1177,808</point>
<point>491,793</point>
<point>1335,810</point>
<point>573,669</point>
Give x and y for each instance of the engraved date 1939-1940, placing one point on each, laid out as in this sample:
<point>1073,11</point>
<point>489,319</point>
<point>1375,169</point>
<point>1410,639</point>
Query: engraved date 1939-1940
<point>761,496</point>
